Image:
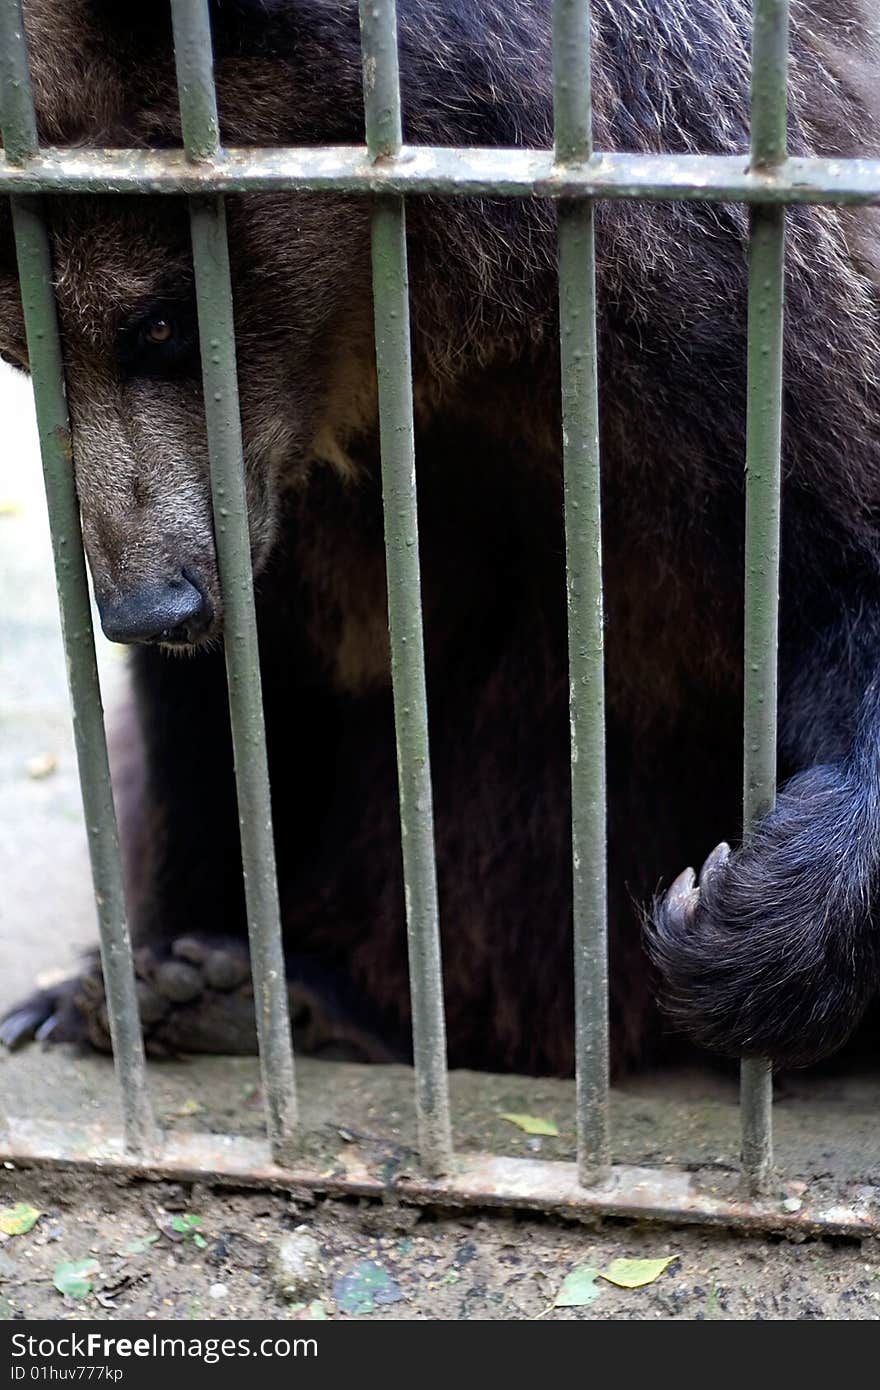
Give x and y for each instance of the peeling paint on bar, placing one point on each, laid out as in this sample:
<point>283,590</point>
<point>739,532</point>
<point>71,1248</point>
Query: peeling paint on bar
<point>400,508</point>
<point>701,1196</point>
<point>763,507</point>
<point>583,532</point>
<point>192,36</point>
<point>44,348</point>
<point>510,173</point>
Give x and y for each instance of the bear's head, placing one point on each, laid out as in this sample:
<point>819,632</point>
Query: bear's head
<point>125,293</point>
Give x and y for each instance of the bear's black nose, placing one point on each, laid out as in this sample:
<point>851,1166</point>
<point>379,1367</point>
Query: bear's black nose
<point>175,611</point>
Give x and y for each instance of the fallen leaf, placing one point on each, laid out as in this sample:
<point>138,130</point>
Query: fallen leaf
<point>43,765</point>
<point>141,1245</point>
<point>367,1284</point>
<point>533,1124</point>
<point>74,1277</point>
<point>579,1288</point>
<point>188,1107</point>
<point>635,1274</point>
<point>186,1227</point>
<point>18,1220</point>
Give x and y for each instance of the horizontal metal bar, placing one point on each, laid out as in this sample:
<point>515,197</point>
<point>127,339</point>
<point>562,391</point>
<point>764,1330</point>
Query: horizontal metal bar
<point>702,1197</point>
<point>450,172</point>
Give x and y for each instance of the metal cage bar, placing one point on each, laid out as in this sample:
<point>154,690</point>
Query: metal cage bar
<point>397,439</point>
<point>763,504</point>
<point>198,109</point>
<point>18,123</point>
<point>583,530</point>
<point>449,173</point>
<point>387,170</point>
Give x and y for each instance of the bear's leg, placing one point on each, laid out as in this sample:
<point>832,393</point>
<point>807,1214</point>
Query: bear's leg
<point>176,801</point>
<point>773,950</point>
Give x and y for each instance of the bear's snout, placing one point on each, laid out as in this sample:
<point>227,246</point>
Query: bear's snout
<point>176,611</point>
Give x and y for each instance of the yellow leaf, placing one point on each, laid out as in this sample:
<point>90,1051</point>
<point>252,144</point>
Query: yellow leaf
<point>18,1220</point>
<point>188,1107</point>
<point>533,1124</point>
<point>635,1274</point>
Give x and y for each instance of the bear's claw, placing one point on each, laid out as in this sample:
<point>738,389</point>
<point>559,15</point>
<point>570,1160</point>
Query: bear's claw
<point>682,898</point>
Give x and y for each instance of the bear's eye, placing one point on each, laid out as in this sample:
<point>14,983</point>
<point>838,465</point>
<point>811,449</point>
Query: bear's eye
<point>163,341</point>
<point>159,331</point>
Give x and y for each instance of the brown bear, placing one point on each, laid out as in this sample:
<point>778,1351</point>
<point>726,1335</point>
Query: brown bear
<point>776,952</point>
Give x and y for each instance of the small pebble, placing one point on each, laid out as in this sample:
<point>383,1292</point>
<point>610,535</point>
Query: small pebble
<point>218,1291</point>
<point>295,1266</point>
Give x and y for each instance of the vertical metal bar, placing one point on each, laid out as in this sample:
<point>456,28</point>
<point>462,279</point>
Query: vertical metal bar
<point>583,531</point>
<point>763,501</point>
<point>397,435</point>
<point>198,109</point>
<point>47,372</point>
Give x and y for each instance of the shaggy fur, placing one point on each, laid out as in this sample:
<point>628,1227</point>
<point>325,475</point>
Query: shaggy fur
<point>777,952</point>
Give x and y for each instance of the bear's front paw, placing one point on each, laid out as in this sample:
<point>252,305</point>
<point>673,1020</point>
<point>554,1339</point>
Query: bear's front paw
<point>195,996</point>
<point>772,951</point>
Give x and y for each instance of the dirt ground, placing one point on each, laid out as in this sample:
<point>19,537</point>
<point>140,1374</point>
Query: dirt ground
<point>160,1250</point>
<point>427,1264</point>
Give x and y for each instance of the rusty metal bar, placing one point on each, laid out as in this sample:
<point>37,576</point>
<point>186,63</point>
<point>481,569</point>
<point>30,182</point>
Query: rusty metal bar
<point>583,531</point>
<point>763,505</point>
<point>192,42</point>
<point>462,173</point>
<point>702,1196</point>
<point>47,371</point>
<point>397,439</point>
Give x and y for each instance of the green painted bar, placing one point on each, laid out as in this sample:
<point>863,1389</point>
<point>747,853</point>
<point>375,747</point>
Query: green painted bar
<point>397,437</point>
<point>47,372</point>
<point>194,63</point>
<point>583,530</point>
<point>17,117</point>
<point>44,351</point>
<point>465,173</point>
<point>223,419</point>
<point>763,507</point>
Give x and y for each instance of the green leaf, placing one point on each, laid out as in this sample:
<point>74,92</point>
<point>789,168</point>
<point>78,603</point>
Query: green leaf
<point>74,1277</point>
<point>188,1226</point>
<point>141,1245</point>
<point>533,1124</point>
<point>579,1288</point>
<point>635,1274</point>
<point>364,1286</point>
<point>18,1220</point>
<point>199,1241</point>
